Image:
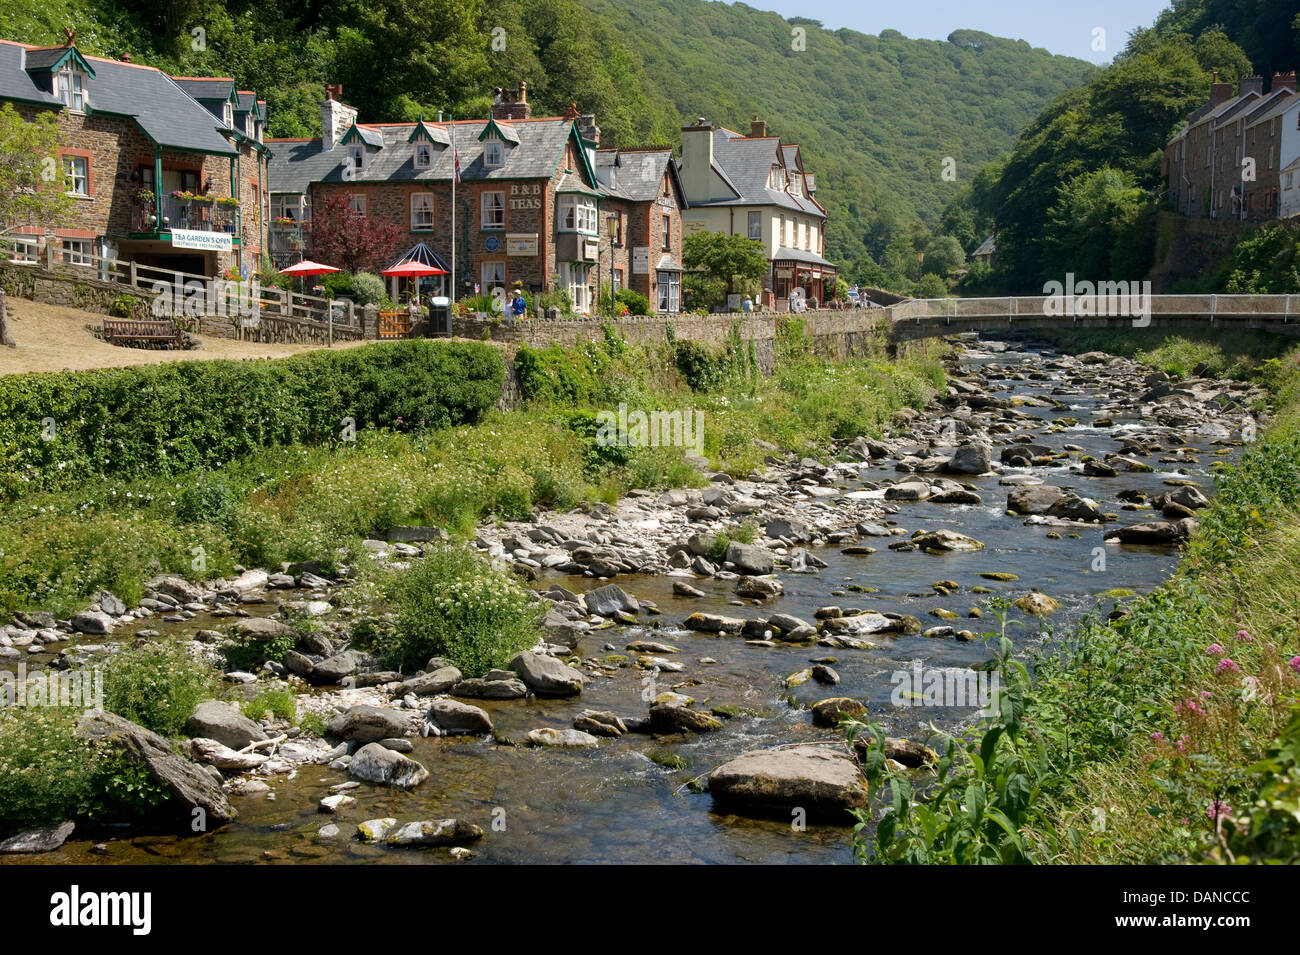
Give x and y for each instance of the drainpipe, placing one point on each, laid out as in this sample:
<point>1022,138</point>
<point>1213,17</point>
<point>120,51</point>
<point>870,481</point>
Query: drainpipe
<point>157,189</point>
<point>263,237</point>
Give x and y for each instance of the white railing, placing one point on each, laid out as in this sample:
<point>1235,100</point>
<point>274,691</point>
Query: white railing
<point>1214,306</point>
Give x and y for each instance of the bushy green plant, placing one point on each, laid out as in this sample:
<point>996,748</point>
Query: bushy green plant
<point>368,289</point>
<point>207,501</point>
<point>633,301</point>
<point>157,685</point>
<point>456,604</point>
<point>280,701</point>
<point>124,306</point>
<point>46,772</point>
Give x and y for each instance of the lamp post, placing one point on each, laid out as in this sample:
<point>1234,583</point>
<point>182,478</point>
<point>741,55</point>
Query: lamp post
<point>612,227</point>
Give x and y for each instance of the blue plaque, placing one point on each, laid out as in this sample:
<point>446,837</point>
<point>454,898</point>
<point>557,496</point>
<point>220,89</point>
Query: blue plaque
<point>492,243</point>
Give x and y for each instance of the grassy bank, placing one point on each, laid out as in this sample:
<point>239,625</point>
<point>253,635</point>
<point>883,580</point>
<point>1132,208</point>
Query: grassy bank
<point>1169,735</point>
<point>264,498</point>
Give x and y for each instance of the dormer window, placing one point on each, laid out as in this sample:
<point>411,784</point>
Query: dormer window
<point>493,153</point>
<point>794,186</point>
<point>356,158</point>
<point>72,89</point>
<point>423,156</point>
<point>778,178</point>
<point>228,115</point>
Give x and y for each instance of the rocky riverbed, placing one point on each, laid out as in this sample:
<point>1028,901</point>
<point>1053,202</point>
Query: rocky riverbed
<point>700,644</point>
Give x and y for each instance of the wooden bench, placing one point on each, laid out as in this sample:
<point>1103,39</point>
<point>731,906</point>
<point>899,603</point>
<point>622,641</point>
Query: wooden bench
<point>126,331</point>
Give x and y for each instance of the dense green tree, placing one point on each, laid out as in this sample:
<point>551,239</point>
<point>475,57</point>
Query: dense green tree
<point>735,261</point>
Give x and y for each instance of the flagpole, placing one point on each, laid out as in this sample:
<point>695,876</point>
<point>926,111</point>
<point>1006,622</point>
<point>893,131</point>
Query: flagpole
<point>455,174</point>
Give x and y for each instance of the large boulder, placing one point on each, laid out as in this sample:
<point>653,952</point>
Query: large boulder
<point>750,558</point>
<point>545,675</point>
<point>334,670</point>
<point>830,712</point>
<point>377,764</point>
<point>93,622</point>
<point>213,719</point>
<point>452,717</point>
<point>369,724</point>
<point>178,588</point>
<point>437,832</point>
<point>610,600</point>
<point>562,738</point>
<point>1033,499</point>
<point>822,781</point>
<point>188,786</point>
<point>671,718</point>
<point>261,628</point>
<point>945,541</point>
<point>971,458</point>
<point>1072,507</point>
<point>431,684</point>
<point>34,841</point>
<point>1156,533</point>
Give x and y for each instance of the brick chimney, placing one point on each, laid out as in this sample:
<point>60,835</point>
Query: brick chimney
<point>757,128</point>
<point>335,117</point>
<point>1250,84</point>
<point>1284,80</point>
<point>1219,92</point>
<point>511,103</point>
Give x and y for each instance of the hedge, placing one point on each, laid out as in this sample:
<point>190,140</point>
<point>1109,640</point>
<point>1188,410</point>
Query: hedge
<point>59,427</point>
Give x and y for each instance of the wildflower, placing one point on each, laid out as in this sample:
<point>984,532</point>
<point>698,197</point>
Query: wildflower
<point>1225,665</point>
<point>1243,636</point>
<point>1157,736</point>
<point>1294,663</point>
<point>1214,650</point>
<point>1218,808</point>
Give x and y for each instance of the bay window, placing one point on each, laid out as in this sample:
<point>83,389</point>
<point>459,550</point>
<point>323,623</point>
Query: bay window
<point>577,214</point>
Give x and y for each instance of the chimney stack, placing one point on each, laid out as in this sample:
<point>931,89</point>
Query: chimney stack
<point>588,129</point>
<point>1219,92</point>
<point>696,166</point>
<point>1250,84</point>
<point>1284,81</point>
<point>757,128</point>
<point>510,104</point>
<point>335,117</point>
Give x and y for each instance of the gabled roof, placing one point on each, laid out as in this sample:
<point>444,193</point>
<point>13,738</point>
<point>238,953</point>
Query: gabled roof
<point>364,136</point>
<point>1272,109</point>
<point>296,164</point>
<point>164,112</point>
<point>745,163</point>
<point>428,132</point>
<point>987,247</point>
<point>502,129</point>
<point>52,58</point>
<point>638,173</point>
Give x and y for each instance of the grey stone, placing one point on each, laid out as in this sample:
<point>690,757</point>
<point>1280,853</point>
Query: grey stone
<point>33,841</point>
<point>822,781</point>
<point>368,724</point>
<point>373,763</point>
<point>547,676</point>
<point>453,717</point>
<point>431,684</point>
<point>223,722</point>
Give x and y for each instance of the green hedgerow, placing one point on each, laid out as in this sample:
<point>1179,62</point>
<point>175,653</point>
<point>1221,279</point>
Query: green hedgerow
<point>456,604</point>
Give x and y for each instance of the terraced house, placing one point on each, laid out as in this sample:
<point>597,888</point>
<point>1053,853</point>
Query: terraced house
<point>530,207</point>
<point>1230,159</point>
<point>755,185</point>
<point>166,171</point>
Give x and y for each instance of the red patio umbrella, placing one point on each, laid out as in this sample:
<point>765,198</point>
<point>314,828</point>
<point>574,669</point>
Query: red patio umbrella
<point>308,267</point>
<point>413,269</point>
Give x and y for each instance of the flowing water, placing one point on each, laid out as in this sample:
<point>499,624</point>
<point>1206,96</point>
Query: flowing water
<point>614,803</point>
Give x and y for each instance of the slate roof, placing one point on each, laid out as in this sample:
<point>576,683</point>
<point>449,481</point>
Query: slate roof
<point>164,111</point>
<point>1269,111</point>
<point>638,173</point>
<point>787,254</point>
<point>987,247</point>
<point>206,87</point>
<point>296,164</point>
<point>745,164</point>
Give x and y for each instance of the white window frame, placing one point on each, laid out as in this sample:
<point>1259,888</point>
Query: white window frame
<point>492,275</point>
<point>357,158</point>
<point>70,174</point>
<point>71,89</point>
<point>491,203</point>
<point>778,178</point>
<point>20,248</point>
<point>494,153</point>
<point>574,276</point>
<point>756,226</point>
<point>425,150</point>
<point>422,203</point>
<point>357,201</point>
<point>670,292</point>
<point>667,222</point>
<point>577,214</point>
<point>76,251</point>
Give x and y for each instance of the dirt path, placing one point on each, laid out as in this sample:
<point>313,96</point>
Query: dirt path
<point>53,338</point>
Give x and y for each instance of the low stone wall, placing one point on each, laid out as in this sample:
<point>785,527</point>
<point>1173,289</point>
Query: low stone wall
<point>68,287</point>
<point>841,332</point>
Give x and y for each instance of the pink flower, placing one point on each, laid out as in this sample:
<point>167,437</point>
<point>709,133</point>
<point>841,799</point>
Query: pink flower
<point>1206,694</point>
<point>1214,650</point>
<point>1218,808</point>
<point>1182,743</point>
<point>1225,665</point>
<point>1244,636</point>
<point>1157,736</point>
<point>1295,664</point>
